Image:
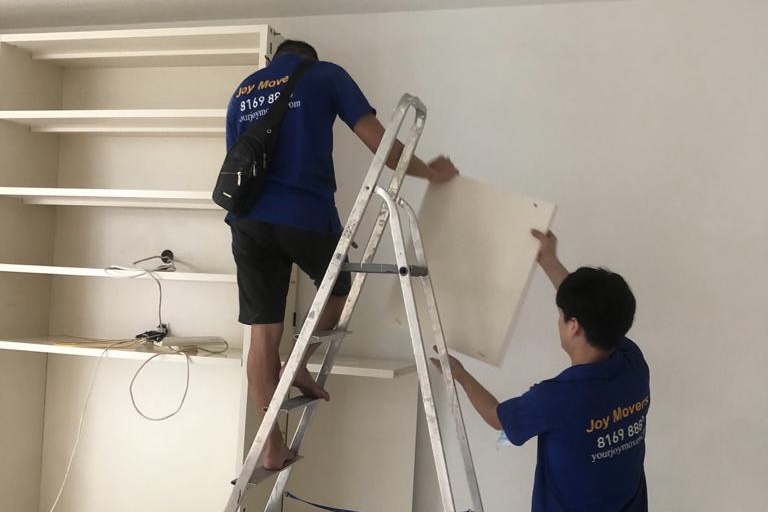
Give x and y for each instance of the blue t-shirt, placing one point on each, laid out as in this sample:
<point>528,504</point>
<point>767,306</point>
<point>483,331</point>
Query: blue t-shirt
<point>301,184</point>
<point>590,421</point>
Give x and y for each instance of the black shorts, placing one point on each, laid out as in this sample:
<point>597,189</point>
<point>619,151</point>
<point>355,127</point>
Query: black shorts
<point>264,254</point>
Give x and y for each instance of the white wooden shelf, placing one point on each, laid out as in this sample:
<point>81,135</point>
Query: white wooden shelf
<point>356,367</point>
<point>125,274</point>
<point>66,346</point>
<point>209,122</point>
<point>364,367</point>
<point>182,46</point>
<point>190,200</point>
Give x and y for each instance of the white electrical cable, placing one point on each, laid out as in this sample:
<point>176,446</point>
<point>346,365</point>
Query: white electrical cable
<point>138,272</point>
<point>221,351</point>
<point>82,420</point>
<point>183,397</point>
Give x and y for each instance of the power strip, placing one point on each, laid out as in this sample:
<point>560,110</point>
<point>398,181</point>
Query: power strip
<point>190,341</point>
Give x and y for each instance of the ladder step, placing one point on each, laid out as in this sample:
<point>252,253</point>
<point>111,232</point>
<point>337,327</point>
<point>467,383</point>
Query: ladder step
<point>261,474</point>
<point>385,268</point>
<point>295,402</point>
<point>326,335</point>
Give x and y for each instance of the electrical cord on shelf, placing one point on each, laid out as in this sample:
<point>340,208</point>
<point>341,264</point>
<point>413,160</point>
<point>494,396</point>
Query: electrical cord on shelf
<point>220,351</point>
<point>136,272</point>
<point>151,336</point>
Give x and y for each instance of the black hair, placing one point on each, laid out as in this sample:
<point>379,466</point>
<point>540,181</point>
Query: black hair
<point>601,301</point>
<point>301,48</point>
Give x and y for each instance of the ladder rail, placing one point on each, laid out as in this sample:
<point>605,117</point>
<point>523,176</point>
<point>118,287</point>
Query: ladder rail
<point>422,369</point>
<point>442,351</point>
<point>394,189</point>
<point>361,204</point>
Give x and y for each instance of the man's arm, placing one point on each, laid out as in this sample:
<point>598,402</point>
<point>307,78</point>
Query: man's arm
<point>370,130</point>
<point>547,257</point>
<point>482,399</point>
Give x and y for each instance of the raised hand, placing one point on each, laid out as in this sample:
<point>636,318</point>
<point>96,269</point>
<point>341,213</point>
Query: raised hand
<point>442,170</point>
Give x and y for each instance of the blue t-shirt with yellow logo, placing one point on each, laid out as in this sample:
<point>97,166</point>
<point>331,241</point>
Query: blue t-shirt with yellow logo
<point>301,183</point>
<point>590,421</point>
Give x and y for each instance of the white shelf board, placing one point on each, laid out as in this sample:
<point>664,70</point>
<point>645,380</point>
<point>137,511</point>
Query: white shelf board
<point>192,200</point>
<point>126,121</point>
<point>356,367</point>
<point>364,367</point>
<point>181,46</point>
<point>116,274</point>
<point>65,346</point>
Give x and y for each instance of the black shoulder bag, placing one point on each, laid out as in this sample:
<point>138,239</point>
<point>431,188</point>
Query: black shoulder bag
<point>244,172</point>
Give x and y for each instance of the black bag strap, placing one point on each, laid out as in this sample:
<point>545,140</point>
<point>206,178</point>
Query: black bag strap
<point>277,111</point>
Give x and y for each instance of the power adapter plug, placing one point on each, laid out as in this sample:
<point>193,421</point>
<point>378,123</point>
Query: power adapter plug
<point>156,335</point>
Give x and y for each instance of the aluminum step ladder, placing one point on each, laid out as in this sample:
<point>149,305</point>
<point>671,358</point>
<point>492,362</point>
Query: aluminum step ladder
<point>250,474</point>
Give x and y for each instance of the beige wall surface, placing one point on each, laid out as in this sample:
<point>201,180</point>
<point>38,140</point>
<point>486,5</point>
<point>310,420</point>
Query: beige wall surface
<point>22,399</point>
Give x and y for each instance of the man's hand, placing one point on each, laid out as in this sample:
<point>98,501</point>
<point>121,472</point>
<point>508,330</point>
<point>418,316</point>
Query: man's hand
<point>370,130</point>
<point>480,398</point>
<point>547,257</point>
<point>457,369</point>
<point>442,170</point>
<point>547,246</point>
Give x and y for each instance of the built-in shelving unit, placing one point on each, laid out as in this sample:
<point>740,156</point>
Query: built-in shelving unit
<point>167,199</point>
<point>128,126</point>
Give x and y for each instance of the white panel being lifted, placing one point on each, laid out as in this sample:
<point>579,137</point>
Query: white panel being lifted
<point>481,256</point>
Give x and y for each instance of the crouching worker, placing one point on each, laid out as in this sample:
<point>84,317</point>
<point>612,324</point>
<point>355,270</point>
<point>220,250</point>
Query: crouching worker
<point>590,419</point>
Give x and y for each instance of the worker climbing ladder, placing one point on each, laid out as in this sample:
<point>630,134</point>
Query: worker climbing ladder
<point>250,474</point>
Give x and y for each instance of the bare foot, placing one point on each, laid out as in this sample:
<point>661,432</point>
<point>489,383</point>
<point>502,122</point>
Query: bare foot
<point>276,459</point>
<point>307,385</point>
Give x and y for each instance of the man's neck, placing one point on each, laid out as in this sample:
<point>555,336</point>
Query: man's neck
<point>587,354</point>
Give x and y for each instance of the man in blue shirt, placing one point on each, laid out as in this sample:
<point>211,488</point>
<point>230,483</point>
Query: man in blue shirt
<point>590,420</point>
<point>295,219</point>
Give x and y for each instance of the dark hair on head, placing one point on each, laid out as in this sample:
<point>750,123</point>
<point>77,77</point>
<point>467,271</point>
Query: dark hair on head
<point>297,48</point>
<point>601,301</point>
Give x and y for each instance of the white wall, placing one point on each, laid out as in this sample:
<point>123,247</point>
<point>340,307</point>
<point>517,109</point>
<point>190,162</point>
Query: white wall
<point>125,463</point>
<point>22,394</point>
<point>646,122</point>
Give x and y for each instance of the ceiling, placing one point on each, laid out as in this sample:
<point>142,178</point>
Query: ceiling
<point>17,14</point>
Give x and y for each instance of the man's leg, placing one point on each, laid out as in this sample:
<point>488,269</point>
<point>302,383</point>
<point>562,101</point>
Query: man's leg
<point>312,252</point>
<point>328,320</point>
<point>263,375</point>
<point>263,278</point>
<point>331,313</point>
